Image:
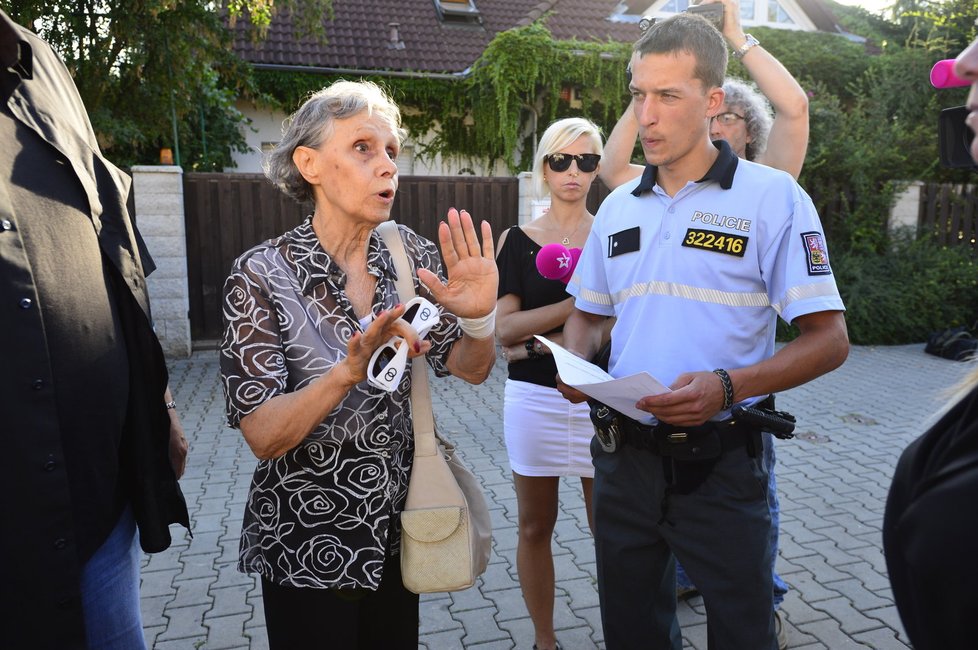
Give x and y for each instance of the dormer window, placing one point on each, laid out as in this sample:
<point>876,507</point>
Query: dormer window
<point>459,12</point>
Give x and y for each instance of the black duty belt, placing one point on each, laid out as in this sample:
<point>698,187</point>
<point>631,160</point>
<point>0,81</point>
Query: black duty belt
<point>704,442</point>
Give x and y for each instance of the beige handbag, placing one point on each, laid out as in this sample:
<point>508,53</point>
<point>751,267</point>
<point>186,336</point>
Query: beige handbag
<point>446,531</point>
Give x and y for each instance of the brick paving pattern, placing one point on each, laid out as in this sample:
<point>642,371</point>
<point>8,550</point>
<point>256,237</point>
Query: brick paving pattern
<point>832,479</point>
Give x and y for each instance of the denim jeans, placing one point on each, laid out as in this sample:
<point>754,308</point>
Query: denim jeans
<point>780,587</point>
<point>110,590</point>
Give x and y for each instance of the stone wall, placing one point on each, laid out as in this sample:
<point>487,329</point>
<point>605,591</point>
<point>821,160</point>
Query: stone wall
<point>159,215</point>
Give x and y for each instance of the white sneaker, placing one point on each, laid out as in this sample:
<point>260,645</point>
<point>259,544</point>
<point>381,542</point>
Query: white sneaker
<point>780,631</point>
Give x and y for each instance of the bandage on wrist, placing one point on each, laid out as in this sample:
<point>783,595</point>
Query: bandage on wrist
<point>479,328</point>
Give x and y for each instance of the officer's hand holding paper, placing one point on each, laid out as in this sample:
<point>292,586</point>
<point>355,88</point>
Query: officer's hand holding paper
<point>620,394</point>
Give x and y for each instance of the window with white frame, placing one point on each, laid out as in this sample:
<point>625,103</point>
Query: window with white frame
<point>752,12</point>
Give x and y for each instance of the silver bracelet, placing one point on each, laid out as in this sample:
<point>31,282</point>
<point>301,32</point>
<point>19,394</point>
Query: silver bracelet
<point>171,405</point>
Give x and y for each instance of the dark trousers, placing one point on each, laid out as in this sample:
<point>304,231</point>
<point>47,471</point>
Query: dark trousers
<point>719,532</point>
<point>301,618</point>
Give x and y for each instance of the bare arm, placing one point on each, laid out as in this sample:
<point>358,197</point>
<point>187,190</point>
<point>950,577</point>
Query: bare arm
<point>178,442</point>
<point>583,335</point>
<point>514,325</point>
<point>821,347</point>
<point>788,140</point>
<point>472,359</point>
<point>616,162</point>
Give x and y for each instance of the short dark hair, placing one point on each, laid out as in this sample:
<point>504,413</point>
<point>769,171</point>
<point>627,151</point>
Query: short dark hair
<point>693,35</point>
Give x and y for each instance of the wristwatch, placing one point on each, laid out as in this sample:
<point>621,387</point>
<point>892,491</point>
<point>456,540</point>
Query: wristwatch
<point>743,49</point>
<point>531,349</point>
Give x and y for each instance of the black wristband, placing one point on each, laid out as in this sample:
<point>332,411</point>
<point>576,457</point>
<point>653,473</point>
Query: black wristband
<point>728,393</point>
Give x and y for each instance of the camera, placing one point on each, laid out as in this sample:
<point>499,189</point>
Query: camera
<point>712,12</point>
<point>954,137</point>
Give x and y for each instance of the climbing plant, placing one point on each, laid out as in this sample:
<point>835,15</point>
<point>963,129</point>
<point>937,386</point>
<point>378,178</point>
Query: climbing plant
<point>512,93</point>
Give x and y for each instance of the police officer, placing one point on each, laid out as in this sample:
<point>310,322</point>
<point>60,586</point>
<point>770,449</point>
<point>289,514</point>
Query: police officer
<point>696,260</point>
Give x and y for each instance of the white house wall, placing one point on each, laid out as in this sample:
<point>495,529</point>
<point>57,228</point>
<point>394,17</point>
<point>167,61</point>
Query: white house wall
<point>266,128</point>
<point>801,20</point>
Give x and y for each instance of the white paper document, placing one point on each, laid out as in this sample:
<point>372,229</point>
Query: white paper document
<point>620,394</point>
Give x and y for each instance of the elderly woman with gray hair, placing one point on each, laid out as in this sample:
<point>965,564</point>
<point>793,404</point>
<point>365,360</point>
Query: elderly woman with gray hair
<point>305,316</point>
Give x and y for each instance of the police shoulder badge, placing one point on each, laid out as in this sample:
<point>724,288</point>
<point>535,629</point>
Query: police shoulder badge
<point>816,253</point>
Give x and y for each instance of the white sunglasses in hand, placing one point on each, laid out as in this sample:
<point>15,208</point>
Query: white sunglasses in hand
<point>388,362</point>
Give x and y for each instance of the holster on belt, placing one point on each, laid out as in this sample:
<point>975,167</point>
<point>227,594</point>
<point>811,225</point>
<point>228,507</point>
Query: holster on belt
<point>688,454</point>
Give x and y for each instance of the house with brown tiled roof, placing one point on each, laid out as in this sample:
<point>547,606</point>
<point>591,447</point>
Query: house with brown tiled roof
<point>442,39</point>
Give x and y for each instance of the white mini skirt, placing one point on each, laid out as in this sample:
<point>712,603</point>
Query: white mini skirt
<point>545,434</point>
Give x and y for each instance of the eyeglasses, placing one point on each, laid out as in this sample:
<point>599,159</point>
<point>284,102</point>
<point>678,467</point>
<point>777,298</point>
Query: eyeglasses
<point>388,362</point>
<point>727,119</point>
<point>561,162</point>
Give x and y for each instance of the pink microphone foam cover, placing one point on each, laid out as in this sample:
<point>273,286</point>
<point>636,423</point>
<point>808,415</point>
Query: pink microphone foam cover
<point>575,254</point>
<point>942,75</point>
<point>553,261</point>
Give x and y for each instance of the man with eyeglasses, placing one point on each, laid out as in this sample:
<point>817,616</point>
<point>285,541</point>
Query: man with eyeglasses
<point>696,260</point>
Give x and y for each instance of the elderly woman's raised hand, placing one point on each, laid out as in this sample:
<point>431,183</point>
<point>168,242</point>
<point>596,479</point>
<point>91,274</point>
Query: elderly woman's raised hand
<point>469,265</point>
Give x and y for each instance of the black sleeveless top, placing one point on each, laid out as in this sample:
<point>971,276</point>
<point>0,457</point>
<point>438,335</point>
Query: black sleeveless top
<point>518,275</point>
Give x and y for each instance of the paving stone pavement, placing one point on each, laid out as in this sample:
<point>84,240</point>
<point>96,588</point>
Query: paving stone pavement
<point>832,480</point>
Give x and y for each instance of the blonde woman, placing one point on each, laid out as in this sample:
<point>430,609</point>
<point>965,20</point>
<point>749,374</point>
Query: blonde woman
<point>546,436</point>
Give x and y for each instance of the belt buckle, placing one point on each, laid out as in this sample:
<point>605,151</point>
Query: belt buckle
<point>677,437</point>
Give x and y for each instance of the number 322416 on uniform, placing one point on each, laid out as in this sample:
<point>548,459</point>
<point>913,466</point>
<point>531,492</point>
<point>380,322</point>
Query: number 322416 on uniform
<point>718,242</point>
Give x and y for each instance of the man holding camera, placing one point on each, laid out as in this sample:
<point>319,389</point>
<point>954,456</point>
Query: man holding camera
<point>696,260</point>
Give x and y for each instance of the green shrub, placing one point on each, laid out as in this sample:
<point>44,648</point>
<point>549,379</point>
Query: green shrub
<point>901,296</point>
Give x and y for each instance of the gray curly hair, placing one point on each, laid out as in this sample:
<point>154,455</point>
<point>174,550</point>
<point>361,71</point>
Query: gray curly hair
<point>746,100</point>
<point>312,124</point>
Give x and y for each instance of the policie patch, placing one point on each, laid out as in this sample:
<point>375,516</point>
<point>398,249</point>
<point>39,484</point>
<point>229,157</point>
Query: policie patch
<point>716,241</point>
<point>816,253</point>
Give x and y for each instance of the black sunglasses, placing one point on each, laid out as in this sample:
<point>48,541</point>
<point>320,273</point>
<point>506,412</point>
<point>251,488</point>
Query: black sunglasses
<point>561,162</point>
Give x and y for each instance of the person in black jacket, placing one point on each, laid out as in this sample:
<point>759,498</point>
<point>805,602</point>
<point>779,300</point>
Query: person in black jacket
<point>929,535</point>
<point>93,446</point>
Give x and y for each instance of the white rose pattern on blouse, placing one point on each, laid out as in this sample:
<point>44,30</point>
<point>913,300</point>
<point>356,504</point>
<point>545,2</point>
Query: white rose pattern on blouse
<point>324,514</point>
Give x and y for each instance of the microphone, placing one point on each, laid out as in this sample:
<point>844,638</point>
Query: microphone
<point>556,262</point>
<point>942,75</point>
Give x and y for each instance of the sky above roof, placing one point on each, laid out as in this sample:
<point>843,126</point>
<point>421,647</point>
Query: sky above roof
<point>872,6</point>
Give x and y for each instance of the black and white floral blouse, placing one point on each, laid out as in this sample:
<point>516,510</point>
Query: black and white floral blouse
<point>324,514</point>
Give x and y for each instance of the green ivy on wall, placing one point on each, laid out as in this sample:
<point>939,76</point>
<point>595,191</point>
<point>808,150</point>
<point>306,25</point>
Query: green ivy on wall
<point>512,93</point>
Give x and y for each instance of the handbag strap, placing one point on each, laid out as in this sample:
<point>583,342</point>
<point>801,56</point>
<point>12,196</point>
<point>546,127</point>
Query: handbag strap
<point>421,413</point>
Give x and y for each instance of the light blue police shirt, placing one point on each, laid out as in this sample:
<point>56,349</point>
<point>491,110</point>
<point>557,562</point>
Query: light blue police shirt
<point>698,280</point>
